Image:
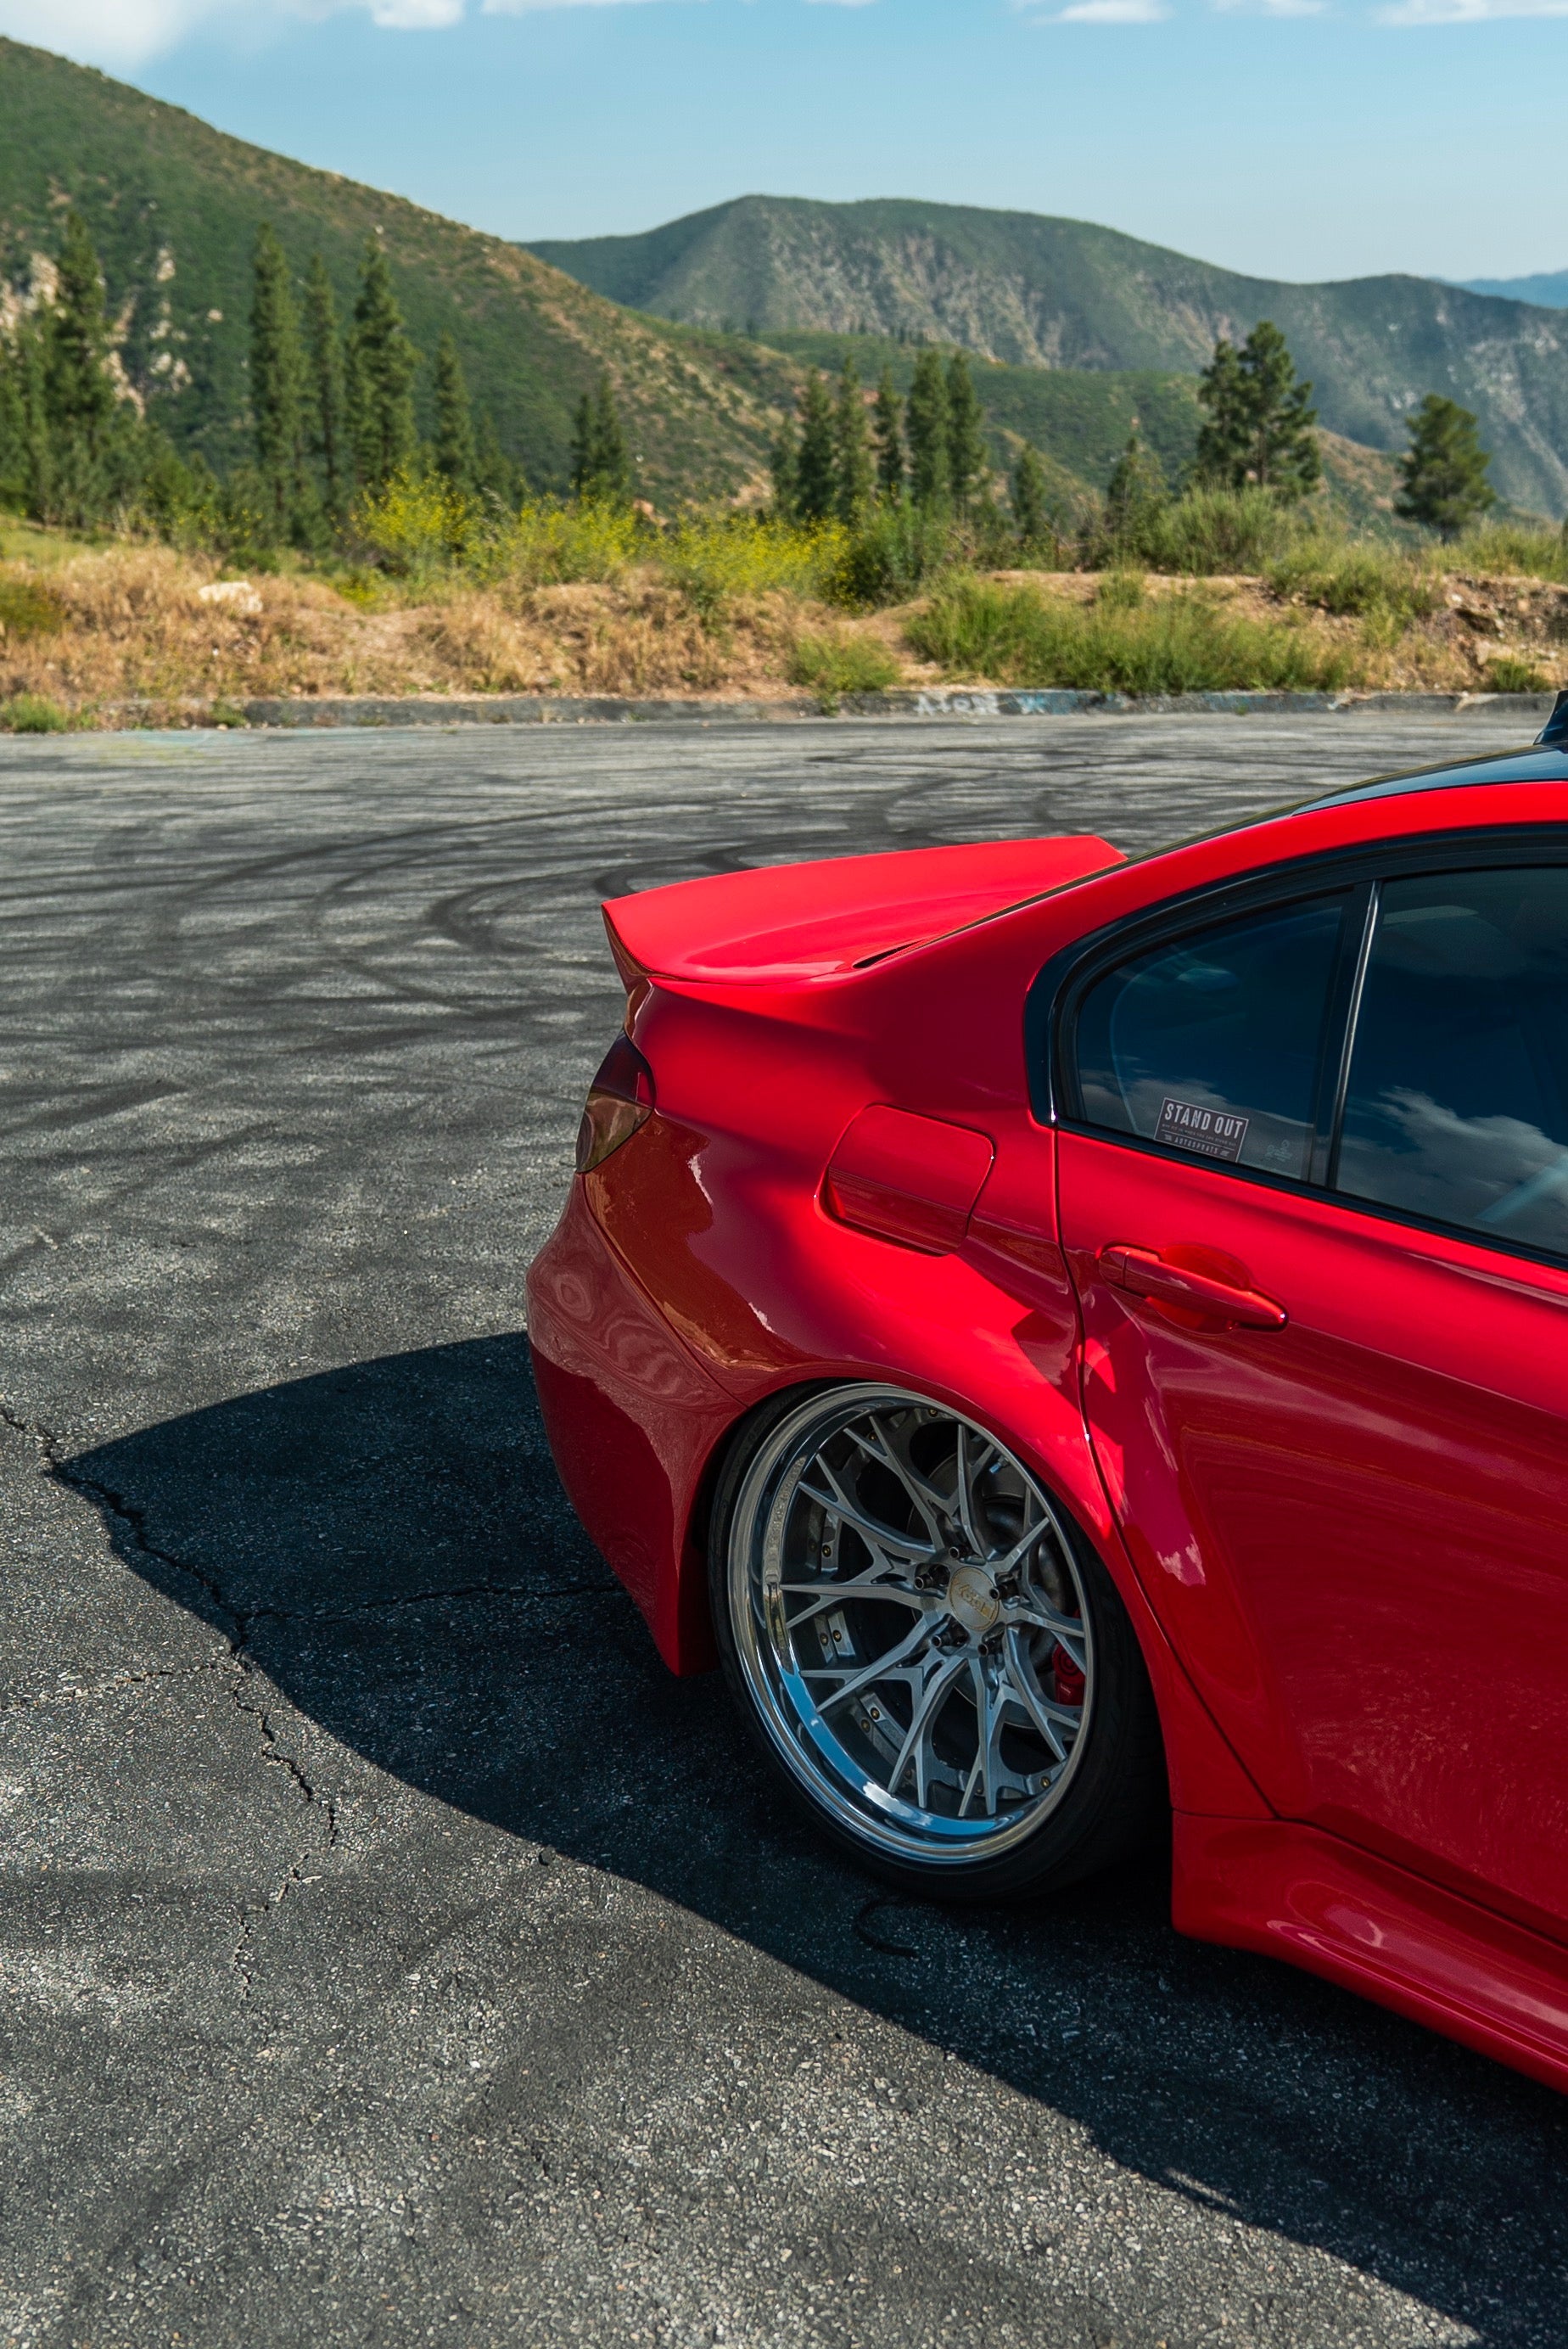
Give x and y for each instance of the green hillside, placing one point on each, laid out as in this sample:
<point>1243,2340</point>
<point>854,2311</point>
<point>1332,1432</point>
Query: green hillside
<point>174,204</point>
<point>1057,293</point>
<point>1078,418</point>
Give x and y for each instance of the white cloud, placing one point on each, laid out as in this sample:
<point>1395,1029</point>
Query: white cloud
<point>119,33</point>
<point>1468,12</point>
<point>1112,12</point>
<point>536,8</point>
<point>1274,7</point>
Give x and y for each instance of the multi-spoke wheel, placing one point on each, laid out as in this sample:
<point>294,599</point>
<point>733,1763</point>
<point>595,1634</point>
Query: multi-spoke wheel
<point>939,1665</point>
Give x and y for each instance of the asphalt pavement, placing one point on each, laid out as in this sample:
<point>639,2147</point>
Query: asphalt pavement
<point>390,1952</point>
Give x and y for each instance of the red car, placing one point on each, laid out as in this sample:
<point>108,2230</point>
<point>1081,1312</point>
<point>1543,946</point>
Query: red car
<point>1074,1337</point>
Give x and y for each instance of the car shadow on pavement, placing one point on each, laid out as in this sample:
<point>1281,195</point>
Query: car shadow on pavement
<point>389,1544</point>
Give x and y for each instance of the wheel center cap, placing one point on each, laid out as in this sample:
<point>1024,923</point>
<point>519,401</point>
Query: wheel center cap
<point>972,1598</point>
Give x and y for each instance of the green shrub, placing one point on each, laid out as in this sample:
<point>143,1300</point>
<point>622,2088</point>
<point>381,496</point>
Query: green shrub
<point>553,544</point>
<point>418,523</point>
<point>836,664</point>
<point>1507,673</point>
<point>1522,550</point>
<point>1121,590</point>
<point>1384,588</point>
<point>32,713</point>
<point>1202,534</point>
<point>1178,643</point>
<point>713,558</point>
<point>26,609</point>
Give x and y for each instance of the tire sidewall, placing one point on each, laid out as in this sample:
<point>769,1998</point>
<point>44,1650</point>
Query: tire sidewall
<point>1115,1790</point>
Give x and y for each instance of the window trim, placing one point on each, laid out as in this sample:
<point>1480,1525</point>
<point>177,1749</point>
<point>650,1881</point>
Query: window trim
<point>1052,1003</point>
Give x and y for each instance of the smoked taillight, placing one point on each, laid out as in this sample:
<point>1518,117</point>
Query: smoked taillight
<point>620,1100</point>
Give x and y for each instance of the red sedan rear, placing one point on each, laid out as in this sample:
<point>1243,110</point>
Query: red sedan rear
<point>1079,1339</point>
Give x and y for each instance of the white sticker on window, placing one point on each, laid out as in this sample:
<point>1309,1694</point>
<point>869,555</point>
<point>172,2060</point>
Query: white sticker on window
<point>1209,1133</point>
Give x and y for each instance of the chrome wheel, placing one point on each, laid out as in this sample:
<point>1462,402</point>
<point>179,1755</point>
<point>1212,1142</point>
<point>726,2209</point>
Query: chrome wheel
<point>910,1625</point>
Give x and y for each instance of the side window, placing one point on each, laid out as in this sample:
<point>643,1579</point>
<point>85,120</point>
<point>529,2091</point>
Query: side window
<point>1456,1105</point>
<point>1212,1043</point>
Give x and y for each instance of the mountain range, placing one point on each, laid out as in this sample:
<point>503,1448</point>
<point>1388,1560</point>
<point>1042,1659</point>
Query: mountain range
<point>1548,292</point>
<point>707,327</point>
<point>1043,293</point>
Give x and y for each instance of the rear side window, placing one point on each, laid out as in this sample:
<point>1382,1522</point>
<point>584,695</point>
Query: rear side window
<point>1213,1045</point>
<point>1457,1104</point>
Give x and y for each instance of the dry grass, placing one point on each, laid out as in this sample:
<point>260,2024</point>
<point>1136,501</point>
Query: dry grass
<point>124,633</point>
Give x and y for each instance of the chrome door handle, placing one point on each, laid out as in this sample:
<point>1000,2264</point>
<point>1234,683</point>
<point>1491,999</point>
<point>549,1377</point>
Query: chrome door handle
<point>1146,1274</point>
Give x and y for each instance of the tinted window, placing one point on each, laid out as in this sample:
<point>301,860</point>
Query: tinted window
<point>1213,1044</point>
<point>1458,1101</point>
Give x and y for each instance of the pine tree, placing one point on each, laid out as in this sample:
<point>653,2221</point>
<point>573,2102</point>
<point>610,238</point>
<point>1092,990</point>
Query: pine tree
<point>496,475</point>
<point>384,364</point>
<point>456,452</point>
<point>77,398</point>
<point>1136,494</point>
<point>926,422</point>
<point>601,468</point>
<point>887,437</point>
<point>816,466</point>
<point>1259,425</point>
<point>614,460</point>
<point>26,471</point>
<point>1443,472</point>
<point>327,401</point>
<point>1221,454</point>
<point>968,458</point>
<point>1283,456</point>
<point>277,380</point>
<point>852,459</point>
<point>1030,518</point>
<point>784,465</point>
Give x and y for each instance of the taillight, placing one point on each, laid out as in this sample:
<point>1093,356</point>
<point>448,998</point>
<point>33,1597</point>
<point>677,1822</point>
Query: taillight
<point>620,1100</point>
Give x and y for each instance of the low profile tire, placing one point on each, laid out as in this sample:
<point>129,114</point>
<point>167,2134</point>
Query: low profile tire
<point>927,1652</point>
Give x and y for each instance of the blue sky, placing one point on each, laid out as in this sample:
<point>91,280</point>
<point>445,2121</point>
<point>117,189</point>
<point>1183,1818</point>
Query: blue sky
<point>1290,138</point>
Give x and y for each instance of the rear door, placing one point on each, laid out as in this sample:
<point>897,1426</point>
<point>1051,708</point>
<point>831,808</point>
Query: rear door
<point>1314,1194</point>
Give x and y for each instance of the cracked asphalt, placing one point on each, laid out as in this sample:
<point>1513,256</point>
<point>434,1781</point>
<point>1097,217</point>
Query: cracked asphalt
<point>390,1950</point>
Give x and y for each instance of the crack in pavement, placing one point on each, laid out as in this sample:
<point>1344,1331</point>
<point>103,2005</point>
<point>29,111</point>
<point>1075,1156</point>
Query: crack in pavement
<point>236,1628</point>
<point>67,1475</point>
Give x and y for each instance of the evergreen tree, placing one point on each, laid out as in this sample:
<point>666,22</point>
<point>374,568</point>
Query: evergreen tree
<point>1259,425</point>
<point>852,458</point>
<point>455,451</point>
<point>77,396</point>
<point>816,466</point>
<point>25,475</point>
<point>601,467</point>
<point>926,422</point>
<point>384,364</point>
<point>1136,493</point>
<point>1443,472</point>
<point>1030,518</point>
<point>328,404</point>
<point>887,437</point>
<point>1221,453</point>
<point>277,380</point>
<point>968,458</point>
<point>496,475</point>
<point>784,465</point>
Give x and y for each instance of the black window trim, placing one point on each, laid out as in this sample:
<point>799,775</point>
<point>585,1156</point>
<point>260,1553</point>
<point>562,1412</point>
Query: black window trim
<point>1051,1006</point>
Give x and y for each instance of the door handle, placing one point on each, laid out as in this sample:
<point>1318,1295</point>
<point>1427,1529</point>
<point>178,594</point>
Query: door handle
<point>1146,1274</point>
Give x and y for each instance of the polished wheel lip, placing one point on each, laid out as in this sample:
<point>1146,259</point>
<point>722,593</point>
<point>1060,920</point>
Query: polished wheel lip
<point>780,1688</point>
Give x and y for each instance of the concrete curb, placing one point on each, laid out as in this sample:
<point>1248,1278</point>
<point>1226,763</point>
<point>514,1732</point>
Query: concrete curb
<point>1531,709</point>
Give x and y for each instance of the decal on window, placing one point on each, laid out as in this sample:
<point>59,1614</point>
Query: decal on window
<point>1210,1132</point>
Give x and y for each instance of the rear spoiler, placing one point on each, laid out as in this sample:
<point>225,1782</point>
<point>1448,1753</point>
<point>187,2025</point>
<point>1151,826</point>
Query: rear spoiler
<point>1553,735</point>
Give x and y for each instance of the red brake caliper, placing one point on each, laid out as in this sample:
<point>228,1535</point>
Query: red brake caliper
<point>1069,1681</point>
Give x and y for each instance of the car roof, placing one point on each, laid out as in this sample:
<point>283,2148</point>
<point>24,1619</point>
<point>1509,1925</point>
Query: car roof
<point>1545,761</point>
<point>1536,765</point>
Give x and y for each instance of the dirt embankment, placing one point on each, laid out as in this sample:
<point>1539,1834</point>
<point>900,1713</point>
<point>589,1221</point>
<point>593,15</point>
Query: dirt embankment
<point>142,632</point>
